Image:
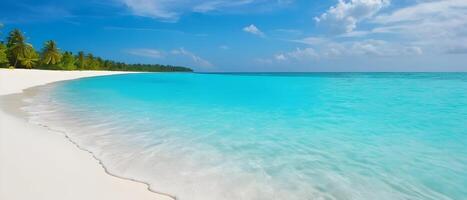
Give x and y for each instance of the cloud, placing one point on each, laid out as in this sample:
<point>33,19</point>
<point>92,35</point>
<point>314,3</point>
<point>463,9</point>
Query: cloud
<point>253,30</point>
<point>344,17</point>
<point>355,34</point>
<point>305,53</point>
<point>151,53</point>
<point>439,25</point>
<point>296,55</point>
<point>422,11</point>
<point>328,49</point>
<point>151,8</point>
<point>382,48</point>
<point>312,40</point>
<point>207,6</point>
<point>196,59</point>
<point>173,54</point>
<point>429,26</point>
<point>171,10</point>
<point>280,57</point>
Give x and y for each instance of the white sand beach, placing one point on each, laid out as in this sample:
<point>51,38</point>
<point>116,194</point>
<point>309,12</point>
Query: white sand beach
<point>36,163</point>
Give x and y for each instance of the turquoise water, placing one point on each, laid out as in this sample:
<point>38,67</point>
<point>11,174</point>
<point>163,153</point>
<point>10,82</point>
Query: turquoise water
<point>359,136</point>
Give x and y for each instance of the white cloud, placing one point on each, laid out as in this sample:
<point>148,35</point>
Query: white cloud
<point>224,47</point>
<point>280,57</point>
<point>160,9</point>
<point>253,30</point>
<point>382,48</point>
<point>218,4</point>
<point>300,54</point>
<point>296,55</point>
<point>428,26</point>
<point>196,59</point>
<point>344,17</point>
<point>439,25</point>
<point>424,10</point>
<point>312,40</point>
<point>171,10</point>
<point>152,53</point>
<point>378,48</point>
<point>328,49</point>
<point>355,34</point>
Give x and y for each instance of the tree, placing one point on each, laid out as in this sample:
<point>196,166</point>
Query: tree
<point>68,61</point>
<point>29,58</point>
<point>80,60</point>
<point>51,54</point>
<point>3,56</point>
<point>99,62</point>
<point>15,36</point>
<point>91,62</point>
<point>3,52</point>
<point>18,52</point>
<point>16,46</point>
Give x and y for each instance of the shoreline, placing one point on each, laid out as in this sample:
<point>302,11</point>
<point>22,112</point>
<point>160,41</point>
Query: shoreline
<point>65,179</point>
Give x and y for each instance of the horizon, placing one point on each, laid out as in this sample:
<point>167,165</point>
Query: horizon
<point>262,36</point>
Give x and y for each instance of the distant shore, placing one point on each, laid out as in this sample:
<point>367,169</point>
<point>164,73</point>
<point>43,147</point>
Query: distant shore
<point>37,163</point>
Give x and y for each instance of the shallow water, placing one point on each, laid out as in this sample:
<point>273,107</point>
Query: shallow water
<point>272,136</point>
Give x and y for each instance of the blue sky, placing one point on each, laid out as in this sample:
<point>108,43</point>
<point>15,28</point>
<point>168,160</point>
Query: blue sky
<point>254,35</point>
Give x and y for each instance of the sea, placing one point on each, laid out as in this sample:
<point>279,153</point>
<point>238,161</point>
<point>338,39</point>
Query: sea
<point>270,136</point>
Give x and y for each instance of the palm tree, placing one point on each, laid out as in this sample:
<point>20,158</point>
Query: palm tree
<point>89,60</point>
<point>15,36</point>
<point>20,50</point>
<point>51,54</point>
<point>3,57</point>
<point>68,61</point>
<point>16,46</point>
<point>80,60</point>
<point>29,58</point>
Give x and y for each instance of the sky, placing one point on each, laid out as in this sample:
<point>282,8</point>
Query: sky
<point>253,35</point>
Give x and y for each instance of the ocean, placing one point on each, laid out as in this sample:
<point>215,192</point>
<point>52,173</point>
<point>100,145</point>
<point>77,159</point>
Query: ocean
<point>270,136</point>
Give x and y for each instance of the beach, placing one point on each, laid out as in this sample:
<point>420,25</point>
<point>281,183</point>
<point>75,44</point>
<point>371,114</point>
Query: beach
<point>37,163</point>
<point>259,136</point>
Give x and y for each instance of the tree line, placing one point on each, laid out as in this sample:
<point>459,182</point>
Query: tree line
<point>15,52</point>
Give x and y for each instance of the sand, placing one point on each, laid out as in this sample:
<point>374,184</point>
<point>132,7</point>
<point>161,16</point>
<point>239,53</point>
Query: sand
<point>37,163</point>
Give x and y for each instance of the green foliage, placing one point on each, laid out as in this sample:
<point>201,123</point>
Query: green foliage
<point>50,53</point>
<point>118,66</point>
<point>90,62</point>
<point>16,47</point>
<point>80,61</point>
<point>29,59</point>
<point>3,56</point>
<point>18,53</point>
<point>15,37</point>
<point>68,61</point>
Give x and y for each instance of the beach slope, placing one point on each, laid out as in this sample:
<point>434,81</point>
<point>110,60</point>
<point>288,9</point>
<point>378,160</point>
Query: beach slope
<point>37,163</point>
